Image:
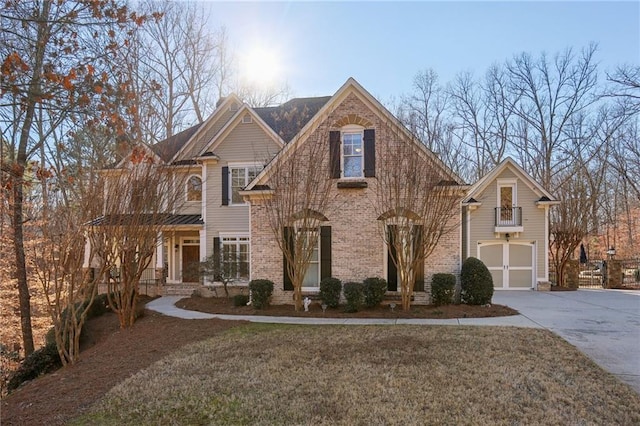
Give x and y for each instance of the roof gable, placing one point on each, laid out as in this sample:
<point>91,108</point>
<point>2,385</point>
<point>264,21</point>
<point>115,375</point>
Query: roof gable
<point>200,131</point>
<point>351,86</point>
<point>233,123</point>
<point>507,164</point>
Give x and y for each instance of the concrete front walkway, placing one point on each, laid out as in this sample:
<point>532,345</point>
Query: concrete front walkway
<point>603,324</point>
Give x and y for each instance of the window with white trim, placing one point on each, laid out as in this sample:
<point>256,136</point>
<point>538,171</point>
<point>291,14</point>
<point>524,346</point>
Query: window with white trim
<point>235,257</point>
<point>194,188</point>
<point>352,154</point>
<point>241,176</point>
<point>312,276</point>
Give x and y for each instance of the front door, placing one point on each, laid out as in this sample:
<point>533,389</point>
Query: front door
<point>510,264</point>
<point>190,264</point>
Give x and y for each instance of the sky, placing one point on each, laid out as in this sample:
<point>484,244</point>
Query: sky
<point>316,46</point>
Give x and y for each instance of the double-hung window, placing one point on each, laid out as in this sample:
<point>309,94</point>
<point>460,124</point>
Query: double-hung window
<point>312,276</point>
<point>352,154</point>
<point>241,176</point>
<point>235,257</point>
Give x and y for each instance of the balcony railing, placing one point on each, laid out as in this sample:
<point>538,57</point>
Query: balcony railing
<point>507,217</point>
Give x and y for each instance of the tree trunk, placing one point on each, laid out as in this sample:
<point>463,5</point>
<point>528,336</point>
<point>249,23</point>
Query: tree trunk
<point>21,267</point>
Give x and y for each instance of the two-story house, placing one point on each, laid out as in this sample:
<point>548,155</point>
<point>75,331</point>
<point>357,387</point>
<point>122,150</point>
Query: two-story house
<point>221,162</point>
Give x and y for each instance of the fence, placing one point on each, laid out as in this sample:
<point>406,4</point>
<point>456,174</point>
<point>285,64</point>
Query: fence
<point>595,274</point>
<point>149,284</point>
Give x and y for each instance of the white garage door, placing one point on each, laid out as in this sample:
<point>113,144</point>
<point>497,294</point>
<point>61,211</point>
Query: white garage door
<point>510,264</point>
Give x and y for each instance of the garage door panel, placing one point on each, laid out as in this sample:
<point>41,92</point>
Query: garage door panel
<point>491,255</point>
<point>520,278</point>
<point>497,278</point>
<point>520,255</point>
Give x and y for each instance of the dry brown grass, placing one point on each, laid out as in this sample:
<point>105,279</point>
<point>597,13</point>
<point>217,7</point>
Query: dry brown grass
<point>274,374</point>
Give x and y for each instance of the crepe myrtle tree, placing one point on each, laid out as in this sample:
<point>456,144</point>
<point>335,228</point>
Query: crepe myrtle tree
<point>59,256</point>
<point>298,198</point>
<point>54,71</point>
<point>417,203</point>
<point>136,204</point>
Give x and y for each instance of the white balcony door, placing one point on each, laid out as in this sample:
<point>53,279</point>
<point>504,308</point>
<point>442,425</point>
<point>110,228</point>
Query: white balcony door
<point>506,202</point>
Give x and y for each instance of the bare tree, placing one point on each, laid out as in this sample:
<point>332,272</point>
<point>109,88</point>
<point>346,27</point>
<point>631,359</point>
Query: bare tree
<point>426,112</point>
<point>483,119</point>
<point>298,198</point>
<point>569,221</point>
<point>50,63</point>
<point>418,203</point>
<point>138,199</point>
<point>545,95</point>
<point>182,68</point>
<point>59,255</point>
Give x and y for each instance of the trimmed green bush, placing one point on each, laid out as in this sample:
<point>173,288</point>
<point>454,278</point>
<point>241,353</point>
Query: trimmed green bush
<point>443,288</point>
<point>330,289</point>
<point>240,300</point>
<point>354,293</point>
<point>476,282</point>
<point>42,361</point>
<point>261,291</point>
<point>374,290</point>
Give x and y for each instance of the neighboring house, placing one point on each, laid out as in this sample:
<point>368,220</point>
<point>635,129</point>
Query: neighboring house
<point>353,128</point>
<point>505,223</point>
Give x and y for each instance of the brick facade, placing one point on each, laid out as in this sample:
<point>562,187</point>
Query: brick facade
<point>358,250</point>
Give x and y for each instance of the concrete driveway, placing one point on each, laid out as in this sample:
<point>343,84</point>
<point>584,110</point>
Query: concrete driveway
<point>603,324</point>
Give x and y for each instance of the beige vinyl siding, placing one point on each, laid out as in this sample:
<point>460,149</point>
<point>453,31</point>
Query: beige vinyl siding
<point>533,218</point>
<point>206,135</point>
<point>184,206</point>
<point>247,144</point>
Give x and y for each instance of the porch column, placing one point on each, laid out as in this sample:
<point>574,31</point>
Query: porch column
<point>87,252</point>
<point>160,252</point>
<point>203,244</point>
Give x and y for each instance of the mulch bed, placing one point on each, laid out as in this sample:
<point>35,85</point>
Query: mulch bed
<point>116,354</point>
<point>220,305</point>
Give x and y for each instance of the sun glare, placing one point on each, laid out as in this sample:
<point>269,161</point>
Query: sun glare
<point>261,67</point>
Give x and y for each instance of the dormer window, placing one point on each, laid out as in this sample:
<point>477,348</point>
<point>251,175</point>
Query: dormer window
<point>194,189</point>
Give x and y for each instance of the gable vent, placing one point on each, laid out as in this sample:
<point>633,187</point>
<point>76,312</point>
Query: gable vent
<point>246,119</point>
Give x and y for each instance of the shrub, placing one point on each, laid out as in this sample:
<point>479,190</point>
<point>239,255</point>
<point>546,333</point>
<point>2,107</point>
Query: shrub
<point>330,289</point>
<point>374,290</point>
<point>240,300</point>
<point>443,288</point>
<point>354,293</point>
<point>42,361</point>
<point>476,282</point>
<point>261,291</point>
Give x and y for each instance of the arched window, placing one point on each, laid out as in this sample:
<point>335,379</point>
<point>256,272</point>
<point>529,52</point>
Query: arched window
<point>194,189</point>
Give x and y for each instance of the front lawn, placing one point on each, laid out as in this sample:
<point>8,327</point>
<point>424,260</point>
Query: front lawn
<point>276,374</point>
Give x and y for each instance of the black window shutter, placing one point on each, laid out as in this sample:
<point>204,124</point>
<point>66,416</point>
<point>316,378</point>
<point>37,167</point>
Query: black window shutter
<point>417,248</point>
<point>392,271</point>
<point>288,239</point>
<point>369,153</point>
<point>325,252</point>
<point>225,186</point>
<point>334,153</point>
<point>216,257</point>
